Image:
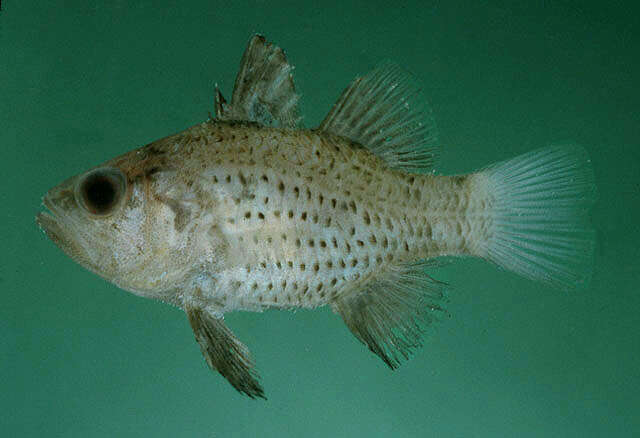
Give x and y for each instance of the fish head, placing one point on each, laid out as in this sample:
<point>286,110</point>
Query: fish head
<point>107,221</point>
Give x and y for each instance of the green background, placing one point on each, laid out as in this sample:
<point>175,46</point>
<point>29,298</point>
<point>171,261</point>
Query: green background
<point>83,81</point>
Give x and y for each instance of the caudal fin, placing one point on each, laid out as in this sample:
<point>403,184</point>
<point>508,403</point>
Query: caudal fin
<point>538,211</point>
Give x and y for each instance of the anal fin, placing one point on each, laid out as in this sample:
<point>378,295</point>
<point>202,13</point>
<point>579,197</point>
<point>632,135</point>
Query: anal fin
<point>224,352</point>
<point>389,314</point>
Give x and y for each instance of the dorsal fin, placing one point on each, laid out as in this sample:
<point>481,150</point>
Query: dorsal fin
<point>264,91</point>
<point>385,111</point>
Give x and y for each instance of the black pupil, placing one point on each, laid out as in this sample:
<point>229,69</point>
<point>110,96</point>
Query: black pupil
<point>99,193</point>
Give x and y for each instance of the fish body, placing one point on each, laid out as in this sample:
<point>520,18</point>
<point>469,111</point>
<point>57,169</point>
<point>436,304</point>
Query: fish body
<point>256,217</point>
<point>249,211</point>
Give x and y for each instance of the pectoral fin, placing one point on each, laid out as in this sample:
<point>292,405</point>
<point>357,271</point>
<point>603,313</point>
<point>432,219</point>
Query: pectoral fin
<point>224,352</point>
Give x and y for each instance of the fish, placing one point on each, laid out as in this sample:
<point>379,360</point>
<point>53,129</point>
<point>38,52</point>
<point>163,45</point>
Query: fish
<point>249,210</point>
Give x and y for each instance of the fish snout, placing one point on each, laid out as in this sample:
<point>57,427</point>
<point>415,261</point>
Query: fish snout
<point>57,221</point>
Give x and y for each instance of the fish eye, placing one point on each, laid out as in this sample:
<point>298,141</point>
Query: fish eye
<point>99,192</point>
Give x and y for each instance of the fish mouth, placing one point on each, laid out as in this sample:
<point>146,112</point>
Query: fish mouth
<point>63,229</point>
<point>50,221</point>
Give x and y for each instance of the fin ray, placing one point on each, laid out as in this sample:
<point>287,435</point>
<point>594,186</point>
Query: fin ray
<point>386,112</point>
<point>224,352</point>
<point>539,215</point>
<point>388,315</point>
<point>264,91</point>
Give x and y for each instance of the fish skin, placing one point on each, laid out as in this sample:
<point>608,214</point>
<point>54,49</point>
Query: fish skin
<point>239,216</point>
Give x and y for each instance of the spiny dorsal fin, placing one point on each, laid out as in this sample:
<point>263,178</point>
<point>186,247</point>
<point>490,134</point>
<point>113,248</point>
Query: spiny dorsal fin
<point>220,104</point>
<point>224,352</point>
<point>389,313</point>
<point>264,91</point>
<point>385,111</point>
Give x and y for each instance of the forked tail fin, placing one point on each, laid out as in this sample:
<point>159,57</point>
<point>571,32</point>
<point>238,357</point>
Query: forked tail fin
<point>538,215</point>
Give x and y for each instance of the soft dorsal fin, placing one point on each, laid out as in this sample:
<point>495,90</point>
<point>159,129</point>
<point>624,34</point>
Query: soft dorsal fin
<point>389,313</point>
<point>264,91</point>
<point>385,111</point>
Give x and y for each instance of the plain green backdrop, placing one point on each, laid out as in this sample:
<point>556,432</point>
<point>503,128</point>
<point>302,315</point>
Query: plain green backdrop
<point>83,81</point>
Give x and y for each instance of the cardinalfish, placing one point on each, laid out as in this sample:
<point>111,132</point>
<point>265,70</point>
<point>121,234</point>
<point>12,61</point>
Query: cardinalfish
<point>251,211</point>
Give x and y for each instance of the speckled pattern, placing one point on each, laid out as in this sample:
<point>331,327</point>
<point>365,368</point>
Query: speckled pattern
<point>288,218</point>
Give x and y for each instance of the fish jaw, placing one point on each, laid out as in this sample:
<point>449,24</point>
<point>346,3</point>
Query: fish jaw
<point>48,223</point>
<point>58,227</point>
